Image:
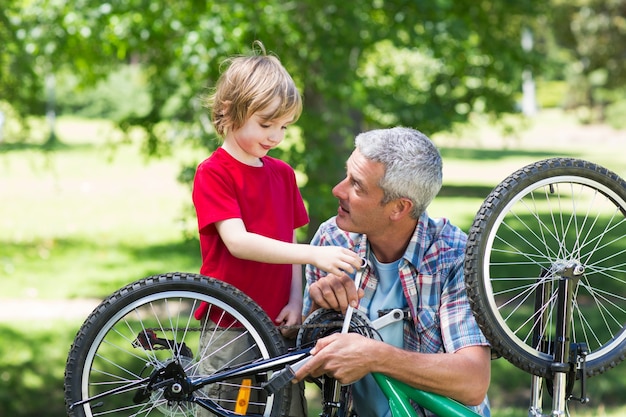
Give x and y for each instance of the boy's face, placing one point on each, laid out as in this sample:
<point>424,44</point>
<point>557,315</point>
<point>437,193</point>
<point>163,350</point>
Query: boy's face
<point>257,136</point>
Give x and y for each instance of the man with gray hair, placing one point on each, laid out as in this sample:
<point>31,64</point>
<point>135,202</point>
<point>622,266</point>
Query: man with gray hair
<point>414,263</point>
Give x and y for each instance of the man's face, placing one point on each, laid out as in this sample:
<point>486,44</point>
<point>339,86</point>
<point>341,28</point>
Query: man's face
<point>360,197</point>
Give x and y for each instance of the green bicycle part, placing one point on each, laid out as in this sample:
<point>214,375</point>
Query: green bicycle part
<point>400,393</point>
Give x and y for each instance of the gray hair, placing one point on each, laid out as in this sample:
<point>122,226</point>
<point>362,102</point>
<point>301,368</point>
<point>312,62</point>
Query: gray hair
<point>412,164</point>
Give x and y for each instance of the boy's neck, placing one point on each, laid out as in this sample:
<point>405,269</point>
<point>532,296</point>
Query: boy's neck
<point>241,156</point>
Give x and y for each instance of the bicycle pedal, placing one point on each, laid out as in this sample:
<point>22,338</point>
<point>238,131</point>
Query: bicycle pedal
<point>279,380</point>
<point>148,340</point>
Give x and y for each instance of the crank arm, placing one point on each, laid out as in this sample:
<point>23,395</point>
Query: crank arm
<point>395,315</point>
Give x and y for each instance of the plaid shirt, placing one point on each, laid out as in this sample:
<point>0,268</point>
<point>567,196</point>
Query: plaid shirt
<point>431,271</point>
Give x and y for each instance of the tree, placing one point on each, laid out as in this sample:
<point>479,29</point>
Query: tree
<point>21,78</point>
<point>360,65</point>
<point>593,34</point>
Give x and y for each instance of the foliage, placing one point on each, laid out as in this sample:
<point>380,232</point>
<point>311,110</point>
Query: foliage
<point>551,94</point>
<point>120,95</point>
<point>21,83</point>
<point>359,66</point>
<point>32,358</point>
<point>593,32</point>
<point>616,114</point>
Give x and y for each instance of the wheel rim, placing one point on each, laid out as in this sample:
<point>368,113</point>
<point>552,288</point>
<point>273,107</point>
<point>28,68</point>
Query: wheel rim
<point>147,312</point>
<point>558,219</point>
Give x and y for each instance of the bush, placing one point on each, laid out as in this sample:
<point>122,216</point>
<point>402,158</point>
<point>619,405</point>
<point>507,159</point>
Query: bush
<point>616,114</point>
<point>123,94</point>
<point>551,94</point>
<point>32,360</point>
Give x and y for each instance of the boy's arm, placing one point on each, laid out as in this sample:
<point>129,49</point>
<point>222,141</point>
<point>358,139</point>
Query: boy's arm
<point>254,247</point>
<point>295,296</point>
<point>290,314</point>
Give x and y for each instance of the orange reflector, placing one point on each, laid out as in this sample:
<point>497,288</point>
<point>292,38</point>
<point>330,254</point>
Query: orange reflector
<point>243,398</point>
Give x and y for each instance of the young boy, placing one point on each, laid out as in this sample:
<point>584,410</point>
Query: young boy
<point>247,203</point>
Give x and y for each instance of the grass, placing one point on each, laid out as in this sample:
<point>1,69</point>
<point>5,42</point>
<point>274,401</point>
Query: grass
<point>32,359</point>
<point>90,217</point>
<point>94,217</point>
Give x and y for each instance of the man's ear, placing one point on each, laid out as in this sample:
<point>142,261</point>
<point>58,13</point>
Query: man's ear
<point>402,207</point>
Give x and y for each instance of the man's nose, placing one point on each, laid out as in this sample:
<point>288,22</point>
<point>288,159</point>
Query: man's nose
<point>338,190</point>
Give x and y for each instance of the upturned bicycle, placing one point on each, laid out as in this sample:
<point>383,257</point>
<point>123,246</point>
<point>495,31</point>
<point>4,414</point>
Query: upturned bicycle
<point>545,273</point>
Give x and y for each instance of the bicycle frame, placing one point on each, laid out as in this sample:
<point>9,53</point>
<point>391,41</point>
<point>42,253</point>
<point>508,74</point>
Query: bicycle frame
<point>398,394</point>
<point>181,388</point>
<point>257,367</point>
<point>171,383</point>
<point>564,365</point>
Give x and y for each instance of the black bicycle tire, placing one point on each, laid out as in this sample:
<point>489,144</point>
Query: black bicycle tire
<point>93,326</point>
<point>478,293</point>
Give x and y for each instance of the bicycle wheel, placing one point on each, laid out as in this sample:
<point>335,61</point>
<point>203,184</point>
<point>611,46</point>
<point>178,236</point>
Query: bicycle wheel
<point>147,326</point>
<point>545,216</point>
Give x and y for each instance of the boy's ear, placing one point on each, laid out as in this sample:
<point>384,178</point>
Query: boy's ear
<point>225,116</point>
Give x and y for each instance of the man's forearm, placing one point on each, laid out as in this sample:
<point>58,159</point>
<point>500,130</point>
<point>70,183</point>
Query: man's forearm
<point>463,376</point>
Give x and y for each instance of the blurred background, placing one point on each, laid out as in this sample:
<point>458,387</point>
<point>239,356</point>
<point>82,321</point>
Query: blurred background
<point>101,128</point>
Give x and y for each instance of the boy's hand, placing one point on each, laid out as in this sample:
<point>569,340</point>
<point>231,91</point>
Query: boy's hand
<point>290,315</point>
<point>335,259</point>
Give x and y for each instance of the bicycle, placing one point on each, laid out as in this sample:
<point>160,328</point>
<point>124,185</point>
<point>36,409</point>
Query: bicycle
<point>545,274</point>
<point>142,352</point>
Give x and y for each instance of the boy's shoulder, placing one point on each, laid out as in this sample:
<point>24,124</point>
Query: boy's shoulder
<point>217,157</point>
<point>270,160</point>
<point>278,166</point>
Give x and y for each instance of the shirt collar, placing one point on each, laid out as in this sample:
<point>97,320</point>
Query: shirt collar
<point>414,252</point>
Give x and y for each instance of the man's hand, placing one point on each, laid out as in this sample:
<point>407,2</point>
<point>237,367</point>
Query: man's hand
<point>335,292</point>
<point>348,357</point>
<point>344,357</point>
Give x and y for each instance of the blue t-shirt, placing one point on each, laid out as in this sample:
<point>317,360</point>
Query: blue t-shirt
<point>367,396</point>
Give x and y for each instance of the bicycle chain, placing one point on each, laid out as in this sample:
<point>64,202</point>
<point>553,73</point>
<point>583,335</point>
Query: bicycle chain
<point>318,320</point>
<point>334,324</point>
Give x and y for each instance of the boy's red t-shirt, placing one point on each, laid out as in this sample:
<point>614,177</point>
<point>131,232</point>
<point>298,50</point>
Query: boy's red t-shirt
<point>268,201</point>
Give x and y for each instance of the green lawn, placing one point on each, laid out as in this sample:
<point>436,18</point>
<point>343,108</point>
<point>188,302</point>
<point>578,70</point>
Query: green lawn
<point>88,218</point>
<point>84,220</point>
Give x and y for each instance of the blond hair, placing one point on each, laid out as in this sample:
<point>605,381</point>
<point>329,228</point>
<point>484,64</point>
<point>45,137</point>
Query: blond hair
<point>249,85</point>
